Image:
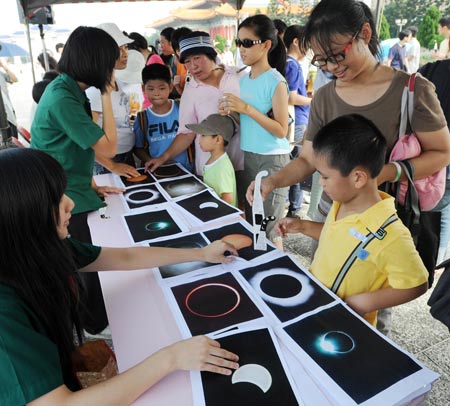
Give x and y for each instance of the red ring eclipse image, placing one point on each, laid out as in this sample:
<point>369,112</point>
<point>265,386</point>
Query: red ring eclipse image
<point>238,300</point>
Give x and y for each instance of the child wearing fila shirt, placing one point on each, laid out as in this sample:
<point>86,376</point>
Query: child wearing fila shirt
<point>365,253</point>
<point>161,119</point>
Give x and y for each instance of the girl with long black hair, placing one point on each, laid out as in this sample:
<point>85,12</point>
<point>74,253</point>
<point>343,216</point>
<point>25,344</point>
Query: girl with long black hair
<point>263,105</point>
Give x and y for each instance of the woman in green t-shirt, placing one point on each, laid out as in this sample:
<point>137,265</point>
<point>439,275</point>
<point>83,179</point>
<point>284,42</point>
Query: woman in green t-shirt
<point>40,293</point>
<point>63,128</point>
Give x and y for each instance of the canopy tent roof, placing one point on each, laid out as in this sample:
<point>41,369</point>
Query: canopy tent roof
<point>30,6</point>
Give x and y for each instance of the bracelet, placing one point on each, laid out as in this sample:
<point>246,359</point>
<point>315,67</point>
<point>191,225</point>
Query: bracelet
<point>399,171</point>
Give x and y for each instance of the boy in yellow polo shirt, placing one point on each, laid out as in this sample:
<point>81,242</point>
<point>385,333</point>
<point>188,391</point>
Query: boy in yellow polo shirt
<point>365,253</point>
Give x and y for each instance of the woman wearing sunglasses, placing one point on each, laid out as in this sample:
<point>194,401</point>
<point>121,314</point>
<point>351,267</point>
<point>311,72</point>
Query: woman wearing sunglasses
<point>342,35</point>
<point>264,109</point>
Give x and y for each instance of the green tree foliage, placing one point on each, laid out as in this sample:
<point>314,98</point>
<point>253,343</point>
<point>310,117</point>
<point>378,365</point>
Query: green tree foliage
<point>428,31</point>
<point>282,9</point>
<point>413,10</point>
<point>384,29</point>
<point>220,43</point>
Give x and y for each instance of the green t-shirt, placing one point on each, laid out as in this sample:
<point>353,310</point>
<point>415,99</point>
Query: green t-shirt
<point>30,365</point>
<point>221,177</point>
<point>63,128</point>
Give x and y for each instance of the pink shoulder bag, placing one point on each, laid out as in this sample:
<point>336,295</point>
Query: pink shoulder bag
<point>431,188</point>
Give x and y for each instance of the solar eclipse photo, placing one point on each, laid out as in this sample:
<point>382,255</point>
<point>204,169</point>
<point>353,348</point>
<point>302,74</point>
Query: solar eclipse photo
<point>182,187</point>
<point>151,225</point>
<point>211,304</point>
<point>143,179</point>
<point>285,288</point>
<point>169,171</point>
<point>240,237</point>
<point>143,195</point>
<point>206,207</point>
<point>360,361</point>
<point>260,380</point>
<point>188,241</point>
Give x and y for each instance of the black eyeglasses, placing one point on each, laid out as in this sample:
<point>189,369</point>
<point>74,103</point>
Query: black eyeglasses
<point>247,43</point>
<point>335,58</point>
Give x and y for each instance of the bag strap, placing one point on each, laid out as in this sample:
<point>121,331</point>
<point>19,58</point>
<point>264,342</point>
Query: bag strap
<point>411,85</point>
<point>143,123</point>
<point>407,105</point>
<point>379,235</point>
<point>412,202</point>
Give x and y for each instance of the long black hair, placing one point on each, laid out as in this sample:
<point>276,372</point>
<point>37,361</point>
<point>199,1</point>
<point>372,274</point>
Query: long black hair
<point>34,261</point>
<point>330,18</point>
<point>89,57</point>
<point>264,28</point>
<point>293,32</point>
<point>139,41</point>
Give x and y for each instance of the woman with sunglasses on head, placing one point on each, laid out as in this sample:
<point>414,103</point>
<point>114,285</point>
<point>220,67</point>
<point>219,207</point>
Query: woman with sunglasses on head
<point>263,105</point>
<point>342,35</point>
<point>40,294</point>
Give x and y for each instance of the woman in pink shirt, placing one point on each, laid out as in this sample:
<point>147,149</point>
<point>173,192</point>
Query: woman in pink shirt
<point>205,85</point>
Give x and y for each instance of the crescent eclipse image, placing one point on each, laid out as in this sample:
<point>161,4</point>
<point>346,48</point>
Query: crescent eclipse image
<point>361,362</point>
<point>151,225</point>
<point>260,379</point>
<point>238,236</point>
<point>182,187</point>
<point>255,374</point>
<point>212,304</point>
<point>206,207</point>
<point>285,288</point>
<point>143,195</point>
<point>189,241</point>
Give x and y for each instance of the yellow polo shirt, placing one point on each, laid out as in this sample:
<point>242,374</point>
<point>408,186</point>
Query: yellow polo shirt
<point>391,261</point>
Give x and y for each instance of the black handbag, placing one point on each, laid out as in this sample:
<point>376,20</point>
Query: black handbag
<point>425,226</point>
<point>439,300</point>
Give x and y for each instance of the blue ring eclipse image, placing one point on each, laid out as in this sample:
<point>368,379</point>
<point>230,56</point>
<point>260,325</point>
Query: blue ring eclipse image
<point>336,342</point>
<point>157,225</point>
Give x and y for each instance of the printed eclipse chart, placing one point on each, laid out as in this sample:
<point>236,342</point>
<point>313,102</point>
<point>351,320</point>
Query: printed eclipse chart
<point>206,207</point>
<point>212,304</point>
<point>361,362</point>
<point>182,186</point>
<point>186,241</point>
<point>151,225</point>
<point>285,289</point>
<point>240,237</point>
<point>143,195</point>
<point>260,380</point>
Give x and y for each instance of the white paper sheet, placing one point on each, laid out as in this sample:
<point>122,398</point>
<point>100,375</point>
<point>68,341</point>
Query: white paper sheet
<point>206,207</point>
<point>153,224</point>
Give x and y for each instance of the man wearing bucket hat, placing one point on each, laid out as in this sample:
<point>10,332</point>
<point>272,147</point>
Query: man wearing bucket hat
<point>122,164</point>
<point>206,85</point>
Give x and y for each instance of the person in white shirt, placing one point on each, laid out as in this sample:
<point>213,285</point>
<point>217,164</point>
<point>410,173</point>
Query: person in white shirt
<point>413,50</point>
<point>444,49</point>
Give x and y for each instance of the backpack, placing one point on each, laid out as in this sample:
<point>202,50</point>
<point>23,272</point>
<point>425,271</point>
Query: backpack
<point>439,73</point>
<point>143,124</point>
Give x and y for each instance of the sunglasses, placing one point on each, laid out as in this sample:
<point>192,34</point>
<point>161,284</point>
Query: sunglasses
<point>335,59</point>
<point>247,43</point>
